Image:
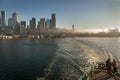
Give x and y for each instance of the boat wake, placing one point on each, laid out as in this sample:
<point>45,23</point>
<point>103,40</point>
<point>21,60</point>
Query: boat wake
<point>73,58</point>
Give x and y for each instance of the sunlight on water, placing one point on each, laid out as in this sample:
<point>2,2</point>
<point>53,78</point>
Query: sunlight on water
<point>75,56</point>
<point>61,58</point>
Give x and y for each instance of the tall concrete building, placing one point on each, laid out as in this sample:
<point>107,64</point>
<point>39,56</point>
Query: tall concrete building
<point>53,21</point>
<point>48,24</point>
<point>0,20</point>
<point>38,26</point>
<point>3,18</point>
<point>23,23</point>
<point>15,16</point>
<point>17,28</point>
<point>11,22</point>
<point>42,24</point>
<point>33,23</point>
<point>23,27</point>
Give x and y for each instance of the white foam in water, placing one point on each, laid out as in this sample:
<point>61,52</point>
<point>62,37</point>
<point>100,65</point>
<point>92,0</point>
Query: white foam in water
<point>75,55</point>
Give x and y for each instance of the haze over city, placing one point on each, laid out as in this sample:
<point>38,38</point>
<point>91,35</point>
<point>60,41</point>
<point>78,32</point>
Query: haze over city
<point>59,39</point>
<point>84,14</point>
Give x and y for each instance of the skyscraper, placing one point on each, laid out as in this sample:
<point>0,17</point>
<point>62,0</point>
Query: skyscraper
<point>11,22</point>
<point>15,16</point>
<point>53,21</point>
<point>38,26</point>
<point>0,20</point>
<point>42,24</point>
<point>23,27</point>
<point>3,18</point>
<point>23,23</point>
<point>48,24</point>
<point>17,28</point>
<point>33,23</point>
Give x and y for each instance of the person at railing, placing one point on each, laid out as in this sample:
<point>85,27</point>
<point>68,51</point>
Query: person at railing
<point>115,66</point>
<point>109,66</point>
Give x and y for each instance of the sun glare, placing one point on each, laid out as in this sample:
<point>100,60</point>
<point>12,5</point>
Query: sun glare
<point>90,30</point>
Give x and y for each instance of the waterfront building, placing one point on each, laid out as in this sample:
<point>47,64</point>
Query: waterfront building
<point>42,24</point>
<point>15,16</point>
<point>47,23</point>
<point>23,23</point>
<point>12,23</point>
<point>115,30</point>
<point>32,26</point>
<point>17,28</point>
<point>23,27</point>
<point>0,20</point>
<point>50,23</point>
<point>53,21</point>
<point>33,23</point>
<point>38,26</point>
<point>3,18</point>
<point>0,29</point>
<point>28,29</point>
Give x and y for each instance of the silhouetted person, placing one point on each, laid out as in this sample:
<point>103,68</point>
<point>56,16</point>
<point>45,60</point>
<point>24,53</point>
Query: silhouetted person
<point>109,66</point>
<point>115,66</point>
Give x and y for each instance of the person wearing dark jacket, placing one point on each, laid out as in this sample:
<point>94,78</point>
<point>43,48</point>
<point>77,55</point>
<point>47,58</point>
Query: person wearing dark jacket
<point>109,66</point>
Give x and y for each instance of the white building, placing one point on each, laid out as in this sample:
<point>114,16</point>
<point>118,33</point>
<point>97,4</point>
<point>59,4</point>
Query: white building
<point>12,23</point>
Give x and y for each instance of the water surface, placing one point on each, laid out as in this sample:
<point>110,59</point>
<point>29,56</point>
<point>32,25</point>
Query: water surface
<point>25,59</point>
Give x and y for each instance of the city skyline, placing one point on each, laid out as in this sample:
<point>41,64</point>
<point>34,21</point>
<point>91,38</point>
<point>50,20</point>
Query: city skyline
<point>87,14</point>
<point>20,27</point>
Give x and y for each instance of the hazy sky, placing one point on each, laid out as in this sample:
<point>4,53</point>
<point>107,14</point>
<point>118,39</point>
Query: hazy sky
<point>85,14</point>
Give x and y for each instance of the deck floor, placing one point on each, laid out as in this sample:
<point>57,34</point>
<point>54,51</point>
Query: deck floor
<point>102,75</point>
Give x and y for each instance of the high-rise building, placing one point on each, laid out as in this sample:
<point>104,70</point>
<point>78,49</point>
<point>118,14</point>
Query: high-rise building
<point>53,21</point>
<point>23,23</point>
<point>42,24</point>
<point>33,23</point>
<point>17,28</point>
<point>38,26</point>
<point>30,23</point>
<point>3,18</point>
<point>22,27</point>
<point>15,16</point>
<point>48,24</point>
<point>0,20</point>
<point>11,22</point>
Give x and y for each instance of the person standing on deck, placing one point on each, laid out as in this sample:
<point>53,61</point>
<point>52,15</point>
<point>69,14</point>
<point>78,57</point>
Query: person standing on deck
<point>115,66</point>
<point>109,66</point>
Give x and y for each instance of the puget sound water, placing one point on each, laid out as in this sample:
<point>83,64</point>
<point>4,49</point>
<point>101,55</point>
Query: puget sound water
<point>61,58</point>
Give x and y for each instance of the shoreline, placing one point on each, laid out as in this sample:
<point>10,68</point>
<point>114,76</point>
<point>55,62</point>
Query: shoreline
<point>47,37</point>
